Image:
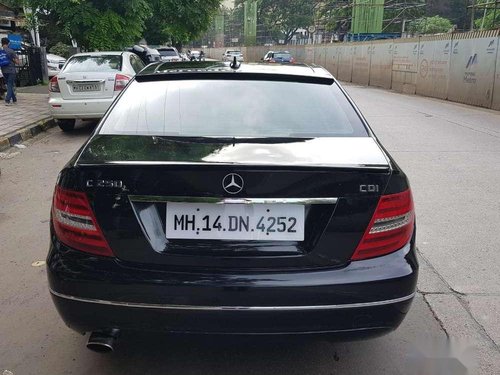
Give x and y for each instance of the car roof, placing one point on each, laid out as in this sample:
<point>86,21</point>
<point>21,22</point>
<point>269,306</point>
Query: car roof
<point>251,71</point>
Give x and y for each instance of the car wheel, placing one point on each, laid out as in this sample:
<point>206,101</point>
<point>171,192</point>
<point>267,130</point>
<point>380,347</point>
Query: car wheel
<point>66,125</point>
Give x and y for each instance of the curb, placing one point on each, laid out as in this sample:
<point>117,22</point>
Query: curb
<point>10,139</point>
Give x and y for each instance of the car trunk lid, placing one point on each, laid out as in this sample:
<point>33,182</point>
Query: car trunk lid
<point>133,182</point>
<point>94,85</point>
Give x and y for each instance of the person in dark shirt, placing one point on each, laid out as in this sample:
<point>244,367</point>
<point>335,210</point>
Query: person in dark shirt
<point>9,72</point>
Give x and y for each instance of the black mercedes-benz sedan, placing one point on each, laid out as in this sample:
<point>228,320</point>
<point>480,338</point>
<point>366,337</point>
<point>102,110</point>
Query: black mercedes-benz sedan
<point>243,200</point>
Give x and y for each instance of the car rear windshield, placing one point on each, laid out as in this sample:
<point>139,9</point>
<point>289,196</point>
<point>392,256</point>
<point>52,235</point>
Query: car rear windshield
<point>167,52</point>
<point>234,53</point>
<point>233,108</point>
<point>282,55</point>
<point>104,63</point>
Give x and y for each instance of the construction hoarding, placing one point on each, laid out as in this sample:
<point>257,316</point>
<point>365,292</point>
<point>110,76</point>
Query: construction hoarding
<point>345,62</point>
<point>434,66</point>
<point>405,65</point>
<point>472,68</point>
<point>381,64</point>
<point>496,90</point>
<point>361,63</point>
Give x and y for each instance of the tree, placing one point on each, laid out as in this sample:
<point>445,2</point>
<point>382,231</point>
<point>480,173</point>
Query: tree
<point>431,25</point>
<point>454,10</point>
<point>97,24</point>
<point>179,21</point>
<point>61,49</point>
<point>488,18</point>
<point>285,17</point>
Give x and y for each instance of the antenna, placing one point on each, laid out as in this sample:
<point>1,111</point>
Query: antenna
<point>235,64</point>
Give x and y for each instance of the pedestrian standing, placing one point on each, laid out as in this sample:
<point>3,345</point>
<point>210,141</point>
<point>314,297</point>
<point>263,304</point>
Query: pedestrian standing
<point>8,61</point>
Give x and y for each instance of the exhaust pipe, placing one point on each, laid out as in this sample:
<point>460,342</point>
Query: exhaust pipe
<point>103,341</point>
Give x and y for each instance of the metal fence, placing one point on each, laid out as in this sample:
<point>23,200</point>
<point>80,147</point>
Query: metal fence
<point>460,67</point>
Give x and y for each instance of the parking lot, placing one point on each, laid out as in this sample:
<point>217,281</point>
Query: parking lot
<point>451,154</point>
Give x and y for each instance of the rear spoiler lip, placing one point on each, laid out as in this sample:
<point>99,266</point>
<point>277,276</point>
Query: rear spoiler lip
<point>233,76</point>
<point>378,167</point>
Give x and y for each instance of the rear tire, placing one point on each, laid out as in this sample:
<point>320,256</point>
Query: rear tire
<point>66,125</point>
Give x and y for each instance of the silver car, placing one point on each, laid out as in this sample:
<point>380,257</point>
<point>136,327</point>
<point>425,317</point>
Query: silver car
<point>229,55</point>
<point>169,54</point>
<point>87,85</point>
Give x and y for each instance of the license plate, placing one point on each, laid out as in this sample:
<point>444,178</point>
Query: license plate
<point>248,222</point>
<point>86,87</point>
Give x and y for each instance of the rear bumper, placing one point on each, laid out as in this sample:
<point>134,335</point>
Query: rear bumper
<point>79,109</point>
<point>364,299</point>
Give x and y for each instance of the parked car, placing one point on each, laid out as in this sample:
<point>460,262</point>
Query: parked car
<point>282,57</point>
<point>88,84</point>
<point>54,64</point>
<point>171,221</point>
<point>147,55</point>
<point>229,55</point>
<point>169,54</point>
<point>184,56</point>
<point>196,56</point>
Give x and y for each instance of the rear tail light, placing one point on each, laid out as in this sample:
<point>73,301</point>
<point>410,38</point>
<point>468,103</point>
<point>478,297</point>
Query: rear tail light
<point>292,60</point>
<point>54,85</point>
<point>391,226</point>
<point>121,81</point>
<point>75,224</point>
<point>272,61</point>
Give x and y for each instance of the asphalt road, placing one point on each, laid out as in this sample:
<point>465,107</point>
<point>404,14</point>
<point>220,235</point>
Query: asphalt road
<point>452,156</point>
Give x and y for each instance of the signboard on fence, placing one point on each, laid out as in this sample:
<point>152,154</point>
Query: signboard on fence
<point>434,66</point>
<point>405,65</point>
<point>472,68</point>
<point>361,63</point>
<point>345,63</point>
<point>381,64</point>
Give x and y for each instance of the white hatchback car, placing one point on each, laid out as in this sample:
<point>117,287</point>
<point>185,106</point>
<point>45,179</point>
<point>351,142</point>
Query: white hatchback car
<point>87,85</point>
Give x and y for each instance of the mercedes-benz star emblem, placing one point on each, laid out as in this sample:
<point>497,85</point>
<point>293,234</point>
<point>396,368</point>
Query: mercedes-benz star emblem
<point>233,183</point>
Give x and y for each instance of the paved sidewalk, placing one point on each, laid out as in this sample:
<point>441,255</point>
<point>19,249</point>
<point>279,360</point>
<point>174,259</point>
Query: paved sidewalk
<point>25,119</point>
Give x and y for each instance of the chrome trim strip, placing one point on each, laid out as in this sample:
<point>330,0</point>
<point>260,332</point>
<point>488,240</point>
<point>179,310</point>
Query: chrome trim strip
<point>236,164</point>
<point>87,81</point>
<point>232,308</point>
<point>214,200</point>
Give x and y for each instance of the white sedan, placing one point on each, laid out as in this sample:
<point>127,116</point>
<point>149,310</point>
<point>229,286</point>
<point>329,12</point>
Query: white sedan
<point>54,64</point>
<point>88,84</point>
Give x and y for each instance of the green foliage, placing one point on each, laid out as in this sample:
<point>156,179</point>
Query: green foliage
<point>489,19</point>
<point>431,25</point>
<point>287,16</point>
<point>61,49</point>
<point>454,10</point>
<point>337,17</point>
<point>179,21</point>
<point>98,24</point>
